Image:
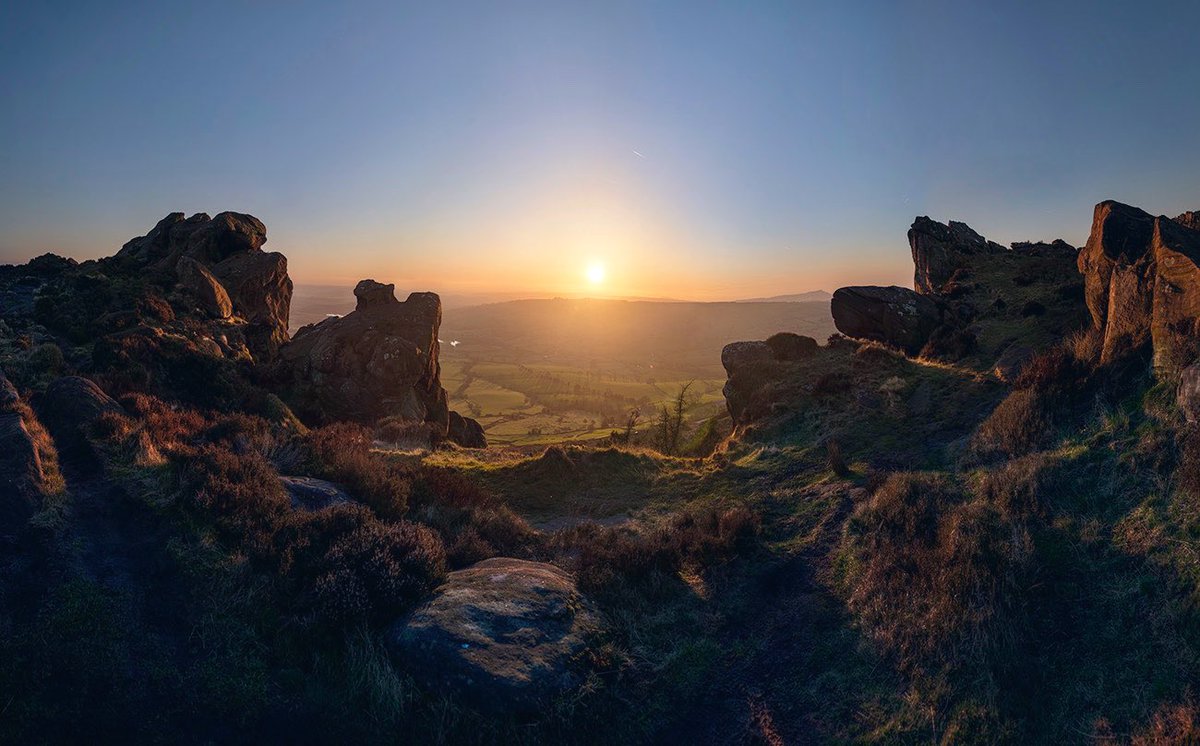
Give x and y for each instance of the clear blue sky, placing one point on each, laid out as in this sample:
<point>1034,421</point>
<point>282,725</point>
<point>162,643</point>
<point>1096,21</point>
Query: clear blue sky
<point>693,148</point>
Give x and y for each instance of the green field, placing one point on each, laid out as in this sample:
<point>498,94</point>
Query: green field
<point>539,404</point>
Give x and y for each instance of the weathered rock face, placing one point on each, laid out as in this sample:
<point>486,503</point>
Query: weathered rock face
<point>379,360</point>
<point>748,365</point>
<point>308,493</point>
<point>220,262</point>
<point>208,291</point>
<point>503,635</point>
<point>940,250</point>
<point>1142,284</point>
<point>893,315</point>
<point>1187,396</point>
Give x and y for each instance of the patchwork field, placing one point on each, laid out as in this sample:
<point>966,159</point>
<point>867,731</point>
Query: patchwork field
<point>542,404</point>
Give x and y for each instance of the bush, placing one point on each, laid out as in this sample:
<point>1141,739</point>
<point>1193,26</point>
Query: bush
<point>377,570</point>
<point>47,358</point>
<point>612,562</point>
<point>342,453</point>
<point>950,342</point>
<point>1018,425</point>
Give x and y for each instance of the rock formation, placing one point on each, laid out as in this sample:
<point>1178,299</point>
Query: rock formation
<point>751,365</point>
<point>893,315</point>
<point>380,360</point>
<point>219,261</point>
<point>973,298</point>
<point>69,407</point>
<point>1143,284</point>
<point>939,250</point>
<point>502,635</point>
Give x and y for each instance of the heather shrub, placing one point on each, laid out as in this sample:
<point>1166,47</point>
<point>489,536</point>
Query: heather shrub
<point>831,384</point>
<point>471,519</point>
<point>377,570</point>
<point>612,562</point>
<point>342,453</point>
<point>1018,425</point>
<point>242,494</point>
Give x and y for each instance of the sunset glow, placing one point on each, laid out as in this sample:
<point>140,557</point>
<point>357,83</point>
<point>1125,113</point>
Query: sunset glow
<point>595,273</point>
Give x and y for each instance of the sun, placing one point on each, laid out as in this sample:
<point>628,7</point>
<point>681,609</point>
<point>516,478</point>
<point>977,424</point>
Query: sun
<point>595,273</point>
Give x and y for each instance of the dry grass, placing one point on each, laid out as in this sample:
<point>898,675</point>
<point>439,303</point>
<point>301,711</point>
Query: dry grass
<point>932,572</point>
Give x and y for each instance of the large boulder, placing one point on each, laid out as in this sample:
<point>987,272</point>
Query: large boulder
<point>465,431</point>
<point>1142,284</point>
<point>210,294</point>
<point>893,315</point>
<point>309,493</point>
<point>380,360</point>
<point>68,408</point>
<point>749,366</point>
<point>939,250</point>
<point>503,635</point>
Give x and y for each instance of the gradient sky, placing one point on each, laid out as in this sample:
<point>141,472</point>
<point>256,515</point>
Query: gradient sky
<point>699,150</point>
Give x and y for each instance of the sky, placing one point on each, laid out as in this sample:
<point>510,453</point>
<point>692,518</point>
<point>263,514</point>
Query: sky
<point>694,149</point>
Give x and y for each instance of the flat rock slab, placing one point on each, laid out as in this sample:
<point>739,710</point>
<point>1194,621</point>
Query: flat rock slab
<point>503,635</point>
<point>308,493</point>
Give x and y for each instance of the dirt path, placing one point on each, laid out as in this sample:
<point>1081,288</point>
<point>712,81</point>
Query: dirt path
<point>776,636</point>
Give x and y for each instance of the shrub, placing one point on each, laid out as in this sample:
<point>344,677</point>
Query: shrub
<point>242,493</point>
<point>377,570</point>
<point>950,342</point>
<point>831,384</point>
<point>47,358</point>
<point>471,519</point>
<point>1018,425</point>
<point>613,562</point>
<point>342,453</point>
<point>836,460</point>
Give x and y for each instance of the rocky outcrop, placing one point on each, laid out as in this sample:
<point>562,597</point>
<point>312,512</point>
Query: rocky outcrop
<point>893,315</point>
<point>978,297</point>
<point>939,250</point>
<point>1142,285</point>
<point>752,365</point>
<point>220,263</point>
<point>503,635</point>
<point>380,360</point>
<point>1189,219</point>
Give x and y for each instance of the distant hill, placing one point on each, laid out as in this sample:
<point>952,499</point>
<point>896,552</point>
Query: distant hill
<point>634,336</point>
<point>812,296</point>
